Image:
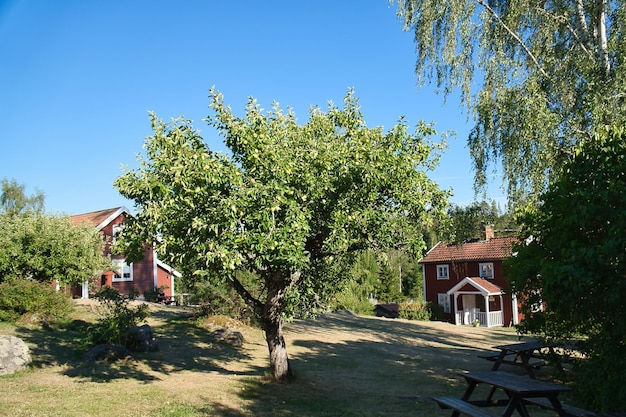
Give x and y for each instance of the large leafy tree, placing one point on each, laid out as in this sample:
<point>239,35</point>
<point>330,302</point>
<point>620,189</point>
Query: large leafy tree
<point>539,76</point>
<point>288,203</point>
<point>574,262</point>
<point>46,248</point>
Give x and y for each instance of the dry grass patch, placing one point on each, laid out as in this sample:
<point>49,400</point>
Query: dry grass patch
<point>346,365</point>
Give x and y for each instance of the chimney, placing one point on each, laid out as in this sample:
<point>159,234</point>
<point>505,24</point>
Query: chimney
<point>489,233</point>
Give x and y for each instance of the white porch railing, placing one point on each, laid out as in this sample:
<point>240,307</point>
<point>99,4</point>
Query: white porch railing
<point>496,318</point>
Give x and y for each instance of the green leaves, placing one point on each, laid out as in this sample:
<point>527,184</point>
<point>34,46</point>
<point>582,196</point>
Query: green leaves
<point>46,248</point>
<point>576,259</point>
<point>286,197</point>
<point>537,78</point>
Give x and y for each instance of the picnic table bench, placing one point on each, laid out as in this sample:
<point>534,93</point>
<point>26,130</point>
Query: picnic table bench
<point>522,354</point>
<point>518,390</point>
<point>570,410</point>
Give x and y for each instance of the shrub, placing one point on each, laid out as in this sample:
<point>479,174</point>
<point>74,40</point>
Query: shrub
<point>220,300</point>
<point>350,298</point>
<point>26,296</point>
<point>436,312</point>
<point>116,317</point>
<point>150,295</point>
<point>412,310</point>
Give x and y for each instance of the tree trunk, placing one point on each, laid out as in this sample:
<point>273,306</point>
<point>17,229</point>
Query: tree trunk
<point>278,350</point>
<point>273,326</point>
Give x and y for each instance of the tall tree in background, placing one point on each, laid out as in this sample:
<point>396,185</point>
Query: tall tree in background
<point>551,72</point>
<point>468,222</point>
<point>288,204</point>
<point>573,260</point>
<point>13,199</point>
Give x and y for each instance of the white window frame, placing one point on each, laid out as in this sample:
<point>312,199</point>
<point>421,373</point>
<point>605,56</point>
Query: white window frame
<point>117,229</point>
<point>485,266</point>
<point>443,299</point>
<point>443,271</point>
<point>120,265</point>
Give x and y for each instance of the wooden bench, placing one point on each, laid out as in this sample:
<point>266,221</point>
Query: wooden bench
<point>571,410</point>
<point>462,407</point>
<point>492,355</point>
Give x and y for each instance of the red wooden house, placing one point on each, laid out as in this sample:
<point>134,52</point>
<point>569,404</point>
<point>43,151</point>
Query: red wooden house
<point>467,281</point>
<point>149,274</point>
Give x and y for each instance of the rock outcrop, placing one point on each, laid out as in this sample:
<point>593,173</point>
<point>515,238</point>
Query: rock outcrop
<point>14,355</point>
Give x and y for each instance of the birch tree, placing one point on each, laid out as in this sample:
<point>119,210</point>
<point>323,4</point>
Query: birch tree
<point>537,77</point>
<point>288,203</point>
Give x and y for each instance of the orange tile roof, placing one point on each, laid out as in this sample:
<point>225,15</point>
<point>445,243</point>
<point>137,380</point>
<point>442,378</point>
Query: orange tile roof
<point>493,249</point>
<point>95,217</point>
<point>486,284</point>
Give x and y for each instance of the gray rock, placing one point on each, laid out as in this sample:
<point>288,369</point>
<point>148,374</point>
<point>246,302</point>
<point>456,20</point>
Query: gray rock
<point>229,336</point>
<point>108,352</point>
<point>141,339</point>
<point>14,355</point>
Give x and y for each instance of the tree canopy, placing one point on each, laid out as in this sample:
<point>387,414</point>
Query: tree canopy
<point>13,199</point>
<point>288,203</point>
<point>574,262</point>
<point>46,248</point>
<point>539,77</point>
<point>468,222</point>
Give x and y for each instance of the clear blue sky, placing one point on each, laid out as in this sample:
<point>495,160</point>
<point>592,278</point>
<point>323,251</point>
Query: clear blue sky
<point>78,77</point>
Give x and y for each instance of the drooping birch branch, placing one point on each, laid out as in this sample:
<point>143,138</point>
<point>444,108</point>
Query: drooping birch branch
<point>515,36</point>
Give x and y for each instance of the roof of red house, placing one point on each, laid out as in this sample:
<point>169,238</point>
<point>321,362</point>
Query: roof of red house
<point>473,284</point>
<point>497,248</point>
<point>97,218</point>
<point>486,284</point>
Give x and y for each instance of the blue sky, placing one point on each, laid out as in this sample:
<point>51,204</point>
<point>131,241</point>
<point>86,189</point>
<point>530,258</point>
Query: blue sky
<point>78,77</point>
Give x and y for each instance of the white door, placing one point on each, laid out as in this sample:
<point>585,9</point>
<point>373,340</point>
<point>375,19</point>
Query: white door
<point>469,308</point>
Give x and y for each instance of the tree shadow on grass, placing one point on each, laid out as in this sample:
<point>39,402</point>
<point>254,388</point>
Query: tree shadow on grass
<point>183,345</point>
<point>348,365</point>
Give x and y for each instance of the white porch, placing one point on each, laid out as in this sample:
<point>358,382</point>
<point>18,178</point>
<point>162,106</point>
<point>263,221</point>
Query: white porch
<point>472,291</point>
<point>485,319</point>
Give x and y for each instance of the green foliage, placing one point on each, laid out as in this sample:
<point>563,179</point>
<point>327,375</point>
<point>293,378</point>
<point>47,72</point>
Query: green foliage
<point>289,203</point>
<point>389,284</point>
<point>13,199</point>
<point>574,261</point>
<point>47,248</point>
<point>467,222</point>
<point>415,310</point>
<point>23,296</point>
<point>550,71</point>
<point>352,297</point>
<point>221,300</point>
<point>115,317</point>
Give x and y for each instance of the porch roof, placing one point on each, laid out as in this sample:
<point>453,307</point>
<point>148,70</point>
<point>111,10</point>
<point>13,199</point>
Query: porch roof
<point>476,285</point>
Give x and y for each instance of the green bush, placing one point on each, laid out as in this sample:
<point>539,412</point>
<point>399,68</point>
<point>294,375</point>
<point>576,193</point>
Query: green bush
<point>150,295</point>
<point>351,298</point>
<point>116,317</point>
<point>26,296</point>
<point>600,370</point>
<point>220,300</point>
<point>412,310</point>
<point>436,312</point>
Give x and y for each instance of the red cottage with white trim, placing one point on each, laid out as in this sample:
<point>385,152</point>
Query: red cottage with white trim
<point>149,274</point>
<point>467,281</point>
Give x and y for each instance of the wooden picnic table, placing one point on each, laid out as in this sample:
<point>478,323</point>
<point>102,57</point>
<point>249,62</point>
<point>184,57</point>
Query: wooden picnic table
<point>517,388</point>
<point>522,354</point>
